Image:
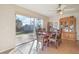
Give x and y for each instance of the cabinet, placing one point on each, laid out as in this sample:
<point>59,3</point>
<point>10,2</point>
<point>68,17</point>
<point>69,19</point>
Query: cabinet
<point>68,27</point>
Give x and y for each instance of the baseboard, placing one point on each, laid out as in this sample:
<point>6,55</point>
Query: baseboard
<point>7,51</point>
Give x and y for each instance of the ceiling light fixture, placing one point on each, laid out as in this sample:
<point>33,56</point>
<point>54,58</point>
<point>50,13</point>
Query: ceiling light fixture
<point>60,10</point>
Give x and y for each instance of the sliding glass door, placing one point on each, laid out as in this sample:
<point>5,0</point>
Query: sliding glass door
<point>27,24</point>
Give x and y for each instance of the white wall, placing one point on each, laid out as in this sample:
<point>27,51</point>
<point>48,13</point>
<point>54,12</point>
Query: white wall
<point>7,27</point>
<point>55,20</point>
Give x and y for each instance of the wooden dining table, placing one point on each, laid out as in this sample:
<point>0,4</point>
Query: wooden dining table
<point>46,36</point>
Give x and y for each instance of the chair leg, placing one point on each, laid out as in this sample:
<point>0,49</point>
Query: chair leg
<point>37,46</point>
<point>56,44</point>
<point>48,43</point>
<point>59,42</point>
<point>43,45</point>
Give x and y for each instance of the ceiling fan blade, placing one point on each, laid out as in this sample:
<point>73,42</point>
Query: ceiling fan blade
<point>62,7</point>
<point>59,6</point>
<point>53,10</point>
<point>72,9</point>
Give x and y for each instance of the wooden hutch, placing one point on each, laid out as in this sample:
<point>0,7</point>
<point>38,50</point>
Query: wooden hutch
<point>68,27</point>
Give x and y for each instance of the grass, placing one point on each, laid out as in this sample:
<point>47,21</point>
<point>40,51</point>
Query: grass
<point>19,33</point>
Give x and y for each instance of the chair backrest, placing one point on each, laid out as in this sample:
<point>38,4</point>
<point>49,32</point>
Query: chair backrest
<point>58,34</point>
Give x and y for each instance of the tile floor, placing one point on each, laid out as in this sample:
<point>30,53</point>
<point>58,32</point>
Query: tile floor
<point>66,47</point>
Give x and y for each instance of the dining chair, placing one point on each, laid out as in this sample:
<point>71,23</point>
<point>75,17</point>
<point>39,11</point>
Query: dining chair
<point>55,38</point>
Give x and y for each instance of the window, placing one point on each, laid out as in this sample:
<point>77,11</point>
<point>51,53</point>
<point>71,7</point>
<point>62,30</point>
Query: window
<point>26,24</point>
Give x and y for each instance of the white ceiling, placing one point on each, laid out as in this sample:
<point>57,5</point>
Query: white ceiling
<point>49,9</point>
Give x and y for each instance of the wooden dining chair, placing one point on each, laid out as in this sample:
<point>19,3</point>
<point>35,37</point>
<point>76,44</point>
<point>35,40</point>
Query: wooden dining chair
<point>56,39</point>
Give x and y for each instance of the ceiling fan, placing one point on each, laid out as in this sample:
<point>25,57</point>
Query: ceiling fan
<point>62,8</point>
